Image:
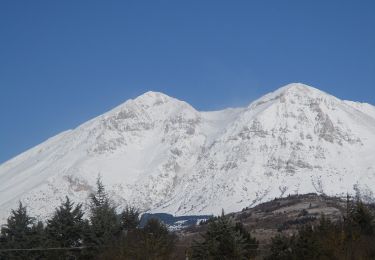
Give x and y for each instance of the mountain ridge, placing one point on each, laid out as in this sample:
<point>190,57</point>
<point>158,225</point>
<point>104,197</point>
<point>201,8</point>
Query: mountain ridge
<point>162,155</point>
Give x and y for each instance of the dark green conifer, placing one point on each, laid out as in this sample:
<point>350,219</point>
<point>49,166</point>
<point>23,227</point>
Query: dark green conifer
<point>65,229</point>
<point>104,222</point>
<point>224,240</point>
<point>129,218</point>
<point>156,241</point>
<point>281,248</point>
<point>17,234</point>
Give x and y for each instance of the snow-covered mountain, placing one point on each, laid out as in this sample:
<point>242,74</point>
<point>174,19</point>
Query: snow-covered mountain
<point>162,155</point>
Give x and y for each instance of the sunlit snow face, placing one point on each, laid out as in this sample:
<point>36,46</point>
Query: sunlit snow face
<point>162,155</point>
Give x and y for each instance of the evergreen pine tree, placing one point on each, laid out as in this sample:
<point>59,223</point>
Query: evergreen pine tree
<point>104,222</point>
<point>308,245</point>
<point>153,242</point>
<point>281,248</point>
<point>65,229</point>
<point>251,242</point>
<point>17,234</point>
<point>363,219</point>
<point>156,242</point>
<point>129,218</point>
<point>223,240</point>
<point>359,230</point>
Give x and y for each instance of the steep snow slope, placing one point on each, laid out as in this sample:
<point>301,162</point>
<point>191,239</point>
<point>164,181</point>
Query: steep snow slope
<point>162,155</point>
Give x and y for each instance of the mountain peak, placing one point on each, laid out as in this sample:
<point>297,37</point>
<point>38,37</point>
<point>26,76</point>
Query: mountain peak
<point>152,98</point>
<point>298,88</point>
<point>160,154</point>
<point>297,85</point>
<point>291,92</point>
<point>152,95</point>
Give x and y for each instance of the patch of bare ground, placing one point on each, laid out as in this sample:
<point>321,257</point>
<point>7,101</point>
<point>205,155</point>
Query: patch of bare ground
<point>279,216</point>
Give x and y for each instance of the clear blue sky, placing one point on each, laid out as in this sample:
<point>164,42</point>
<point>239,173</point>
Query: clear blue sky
<point>64,62</point>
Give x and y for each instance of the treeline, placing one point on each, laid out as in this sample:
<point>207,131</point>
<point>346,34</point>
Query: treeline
<point>68,235</point>
<point>108,235</point>
<point>352,238</point>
